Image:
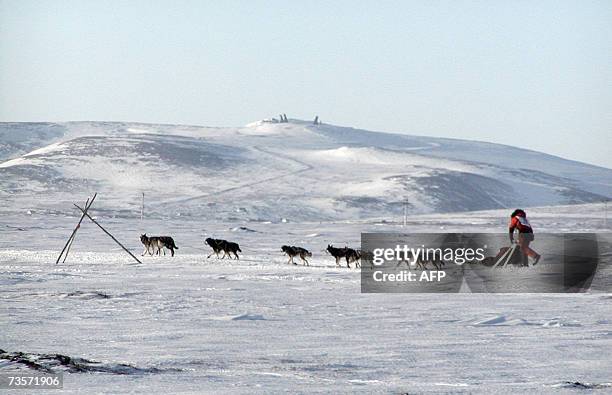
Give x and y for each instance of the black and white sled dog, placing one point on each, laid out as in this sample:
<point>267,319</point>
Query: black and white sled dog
<point>349,254</point>
<point>215,244</point>
<point>155,244</point>
<point>219,245</point>
<point>293,251</point>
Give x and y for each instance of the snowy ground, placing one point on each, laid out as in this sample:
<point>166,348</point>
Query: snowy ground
<point>191,325</point>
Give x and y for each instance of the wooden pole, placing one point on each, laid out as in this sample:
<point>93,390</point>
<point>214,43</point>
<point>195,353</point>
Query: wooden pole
<point>76,228</point>
<point>72,235</point>
<point>71,240</point>
<point>68,249</point>
<point>105,231</point>
<point>87,206</point>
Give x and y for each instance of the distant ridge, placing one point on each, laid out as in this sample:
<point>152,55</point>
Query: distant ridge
<point>267,171</point>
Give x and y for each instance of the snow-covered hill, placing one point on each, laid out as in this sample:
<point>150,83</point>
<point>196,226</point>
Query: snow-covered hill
<point>267,171</point>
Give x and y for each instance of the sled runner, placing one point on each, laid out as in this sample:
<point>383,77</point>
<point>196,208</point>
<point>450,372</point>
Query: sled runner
<point>507,256</point>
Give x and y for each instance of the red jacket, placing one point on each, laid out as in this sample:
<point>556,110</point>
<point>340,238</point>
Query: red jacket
<point>521,223</point>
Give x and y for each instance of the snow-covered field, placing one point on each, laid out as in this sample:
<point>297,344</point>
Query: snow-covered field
<point>194,325</point>
<point>189,324</point>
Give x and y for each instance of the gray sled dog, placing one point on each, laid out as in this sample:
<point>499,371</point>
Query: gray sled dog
<point>293,251</point>
<point>155,244</point>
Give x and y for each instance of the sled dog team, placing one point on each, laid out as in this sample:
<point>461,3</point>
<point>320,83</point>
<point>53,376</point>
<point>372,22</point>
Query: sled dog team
<point>518,221</point>
<point>155,245</point>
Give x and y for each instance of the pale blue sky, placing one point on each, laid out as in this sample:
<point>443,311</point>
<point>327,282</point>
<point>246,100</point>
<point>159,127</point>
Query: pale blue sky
<point>535,74</point>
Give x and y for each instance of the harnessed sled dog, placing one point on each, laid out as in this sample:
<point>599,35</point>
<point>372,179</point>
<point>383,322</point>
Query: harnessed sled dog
<point>219,245</point>
<point>293,251</point>
<point>155,244</point>
<point>417,262</point>
<point>349,254</point>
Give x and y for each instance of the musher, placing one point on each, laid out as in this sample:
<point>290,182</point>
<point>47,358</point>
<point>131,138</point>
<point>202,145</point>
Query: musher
<point>518,221</point>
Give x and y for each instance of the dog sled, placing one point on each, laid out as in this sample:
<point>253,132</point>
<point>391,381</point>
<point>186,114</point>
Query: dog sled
<point>506,256</point>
